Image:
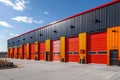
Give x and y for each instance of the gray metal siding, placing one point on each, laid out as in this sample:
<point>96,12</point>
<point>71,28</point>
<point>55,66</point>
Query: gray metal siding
<point>25,39</point>
<point>36,35</point>
<point>18,42</point>
<point>93,21</point>
<point>8,44</point>
<point>31,37</point>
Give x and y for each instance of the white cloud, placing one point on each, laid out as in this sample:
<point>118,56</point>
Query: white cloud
<point>41,21</point>
<point>11,34</point>
<point>5,24</point>
<point>46,13</point>
<point>23,19</point>
<point>17,5</point>
<point>26,19</point>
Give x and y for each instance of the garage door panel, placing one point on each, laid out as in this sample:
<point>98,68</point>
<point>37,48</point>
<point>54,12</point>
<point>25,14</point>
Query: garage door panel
<point>32,48</point>
<point>18,50</point>
<point>18,53</point>
<point>72,49</point>
<point>72,44</point>
<point>33,56</point>
<point>97,42</point>
<point>56,50</point>
<point>42,47</point>
<point>25,49</point>
<point>97,58</point>
<point>32,51</point>
<point>72,58</point>
<point>56,46</point>
<point>42,51</point>
<point>56,57</point>
<point>14,53</point>
<point>42,56</point>
<point>25,56</point>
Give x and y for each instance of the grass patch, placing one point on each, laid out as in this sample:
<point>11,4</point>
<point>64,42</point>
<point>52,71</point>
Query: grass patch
<point>5,64</point>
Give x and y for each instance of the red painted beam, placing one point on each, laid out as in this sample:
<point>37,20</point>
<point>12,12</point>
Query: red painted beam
<point>116,0</point>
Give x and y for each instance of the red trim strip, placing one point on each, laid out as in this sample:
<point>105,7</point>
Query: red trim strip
<point>104,5</point>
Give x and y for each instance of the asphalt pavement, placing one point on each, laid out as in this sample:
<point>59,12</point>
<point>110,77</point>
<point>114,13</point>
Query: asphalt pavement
<point>42,70</point>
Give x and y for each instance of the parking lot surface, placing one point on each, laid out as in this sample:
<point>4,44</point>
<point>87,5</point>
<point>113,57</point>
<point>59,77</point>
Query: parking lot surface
<point>42,70</point>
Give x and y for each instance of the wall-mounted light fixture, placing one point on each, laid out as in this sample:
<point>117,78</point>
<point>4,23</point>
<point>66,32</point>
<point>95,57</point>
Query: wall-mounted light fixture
<point>31,37</point>
<point>72,27</point>
<point>18,40</point>
<point>55,31</point>
<point>96,21</point>
<point>41,34</point>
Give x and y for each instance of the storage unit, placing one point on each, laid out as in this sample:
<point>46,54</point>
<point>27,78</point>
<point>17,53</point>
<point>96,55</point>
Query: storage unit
<point>18,53</point>
<point>72,49</point>
<point>14,54</point>
<point>89,37</point>
<point>24,52</point>
<point>32,51</point>
<point>55,50</point>
<point>42,50</point>
<point>97,48</point>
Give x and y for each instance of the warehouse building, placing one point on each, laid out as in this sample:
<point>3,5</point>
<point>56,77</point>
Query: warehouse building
<point>92,36</point>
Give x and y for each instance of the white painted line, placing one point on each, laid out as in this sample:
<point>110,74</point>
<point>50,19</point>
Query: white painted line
<point>112,75</point>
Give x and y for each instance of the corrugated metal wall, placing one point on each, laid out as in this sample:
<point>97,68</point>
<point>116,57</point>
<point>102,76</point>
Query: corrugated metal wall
<point>93,21</point>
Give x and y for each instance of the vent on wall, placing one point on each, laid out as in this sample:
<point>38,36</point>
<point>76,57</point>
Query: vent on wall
<point>41,34</point>
<point>72,27</point>
<point>96,21</point>
<point>31,37</point>
<point>55,31</point>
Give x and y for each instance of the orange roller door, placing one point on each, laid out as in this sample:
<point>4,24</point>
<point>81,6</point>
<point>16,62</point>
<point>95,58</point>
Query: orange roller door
<point>32,51</point>
<point>72,49</point>
<point>8,54</point>
<point>42,51</point>
<point>14,54</point>
<point>25,51</point>
<point>56,50</point>
<point>97,47</point>
<point>18,53</point>
<point>11,52</point>
<point>97,58</point>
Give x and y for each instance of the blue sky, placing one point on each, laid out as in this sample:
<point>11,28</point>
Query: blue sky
<point>19,16</point>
